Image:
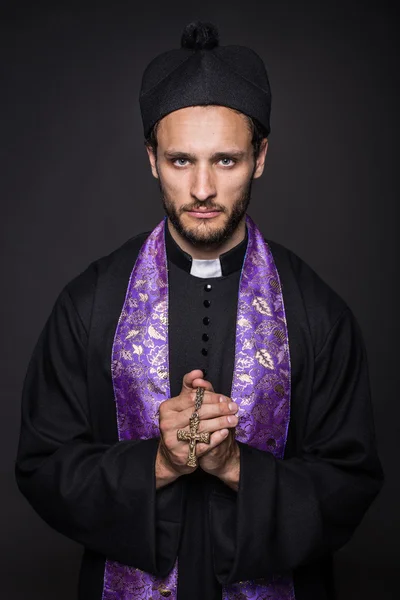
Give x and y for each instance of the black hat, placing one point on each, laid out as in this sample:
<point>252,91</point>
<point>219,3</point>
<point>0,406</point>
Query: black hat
<point>202,72</point>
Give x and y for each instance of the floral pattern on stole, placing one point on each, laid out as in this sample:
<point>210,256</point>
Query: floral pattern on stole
<point>260,386</point>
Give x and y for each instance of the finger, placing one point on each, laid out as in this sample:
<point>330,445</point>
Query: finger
<point>186,402</point>
<point>201,382</point>
<point>216,439</point>
<point>211,408</point>
<point>215,408</point>
<point>225,422</point>
<point>208,422</point>
<point>213,398</point>
<point>186,399</point>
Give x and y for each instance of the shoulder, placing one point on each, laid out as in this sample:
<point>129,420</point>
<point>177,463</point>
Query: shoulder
<point>82,288</point>
<point>306,292</point>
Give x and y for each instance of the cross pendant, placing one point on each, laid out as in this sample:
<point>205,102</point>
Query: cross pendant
<point>193,437</point>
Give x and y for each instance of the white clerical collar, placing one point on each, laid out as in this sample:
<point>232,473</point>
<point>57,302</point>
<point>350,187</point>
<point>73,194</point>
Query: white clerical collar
<point>206,268</point>
<point>227,263</point>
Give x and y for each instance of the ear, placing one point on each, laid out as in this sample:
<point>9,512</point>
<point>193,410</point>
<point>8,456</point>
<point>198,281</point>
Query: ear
<point>153,161</point>
<point>260,162</point>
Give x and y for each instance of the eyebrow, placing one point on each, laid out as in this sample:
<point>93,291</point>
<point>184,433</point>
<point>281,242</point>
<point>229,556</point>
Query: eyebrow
<point>237,154</point>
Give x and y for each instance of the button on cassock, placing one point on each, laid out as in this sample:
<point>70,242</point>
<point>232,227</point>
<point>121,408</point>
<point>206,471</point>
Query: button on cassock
<point>208,287</point>
<point>206,320</point>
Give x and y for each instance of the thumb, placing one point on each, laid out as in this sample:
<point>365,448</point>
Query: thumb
<point>195,379</point>
<point>187,382</point>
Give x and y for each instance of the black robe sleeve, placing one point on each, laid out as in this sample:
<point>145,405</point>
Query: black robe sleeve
<point>100,495</point>
<point>291,512</point>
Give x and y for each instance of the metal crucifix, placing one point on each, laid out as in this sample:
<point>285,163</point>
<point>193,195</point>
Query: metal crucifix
<point>192,436</point>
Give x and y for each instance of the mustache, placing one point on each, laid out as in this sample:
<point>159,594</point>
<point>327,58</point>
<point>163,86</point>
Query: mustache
<point>204,206</point>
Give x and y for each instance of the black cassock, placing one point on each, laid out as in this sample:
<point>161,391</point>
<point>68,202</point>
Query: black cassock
<point>287,514</point>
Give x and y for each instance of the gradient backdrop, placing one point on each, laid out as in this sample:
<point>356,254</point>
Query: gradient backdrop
<point>76,185</point>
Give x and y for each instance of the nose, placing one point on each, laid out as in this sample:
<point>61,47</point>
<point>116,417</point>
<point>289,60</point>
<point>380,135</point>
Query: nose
<point>203,184</point>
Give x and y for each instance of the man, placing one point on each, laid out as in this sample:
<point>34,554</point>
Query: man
<point>244,489</point>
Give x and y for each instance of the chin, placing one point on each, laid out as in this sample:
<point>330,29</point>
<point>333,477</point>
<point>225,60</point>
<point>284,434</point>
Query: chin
<point>204,236</point>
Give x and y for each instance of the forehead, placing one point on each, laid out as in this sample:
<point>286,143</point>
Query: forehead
<point>204,126</point>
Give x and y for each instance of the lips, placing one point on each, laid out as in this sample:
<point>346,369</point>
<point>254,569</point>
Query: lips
<point>204,214</point>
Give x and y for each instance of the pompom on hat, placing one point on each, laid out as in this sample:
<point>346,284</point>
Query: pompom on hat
<point>201,72</point>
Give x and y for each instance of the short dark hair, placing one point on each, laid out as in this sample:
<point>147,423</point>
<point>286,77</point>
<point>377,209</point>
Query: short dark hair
<point>258,133</point>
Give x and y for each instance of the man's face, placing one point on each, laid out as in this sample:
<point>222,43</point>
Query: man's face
<point>205,166</point>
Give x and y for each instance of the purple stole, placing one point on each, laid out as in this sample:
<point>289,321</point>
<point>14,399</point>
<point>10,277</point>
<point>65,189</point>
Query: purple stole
<point>260,386</point>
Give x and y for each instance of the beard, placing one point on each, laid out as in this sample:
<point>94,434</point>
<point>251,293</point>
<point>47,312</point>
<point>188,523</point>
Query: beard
<point>202,236</point>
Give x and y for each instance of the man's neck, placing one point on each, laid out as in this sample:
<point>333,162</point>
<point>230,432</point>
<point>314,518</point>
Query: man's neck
<point>212,252</point>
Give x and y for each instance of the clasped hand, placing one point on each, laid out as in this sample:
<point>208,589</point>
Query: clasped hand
<point>217,416</point>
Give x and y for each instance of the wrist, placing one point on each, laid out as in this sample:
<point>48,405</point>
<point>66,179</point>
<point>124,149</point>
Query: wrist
<point>231,472</point>
<point>164,471</point>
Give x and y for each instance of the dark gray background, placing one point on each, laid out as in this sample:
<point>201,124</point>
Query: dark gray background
<point>76,185</point>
